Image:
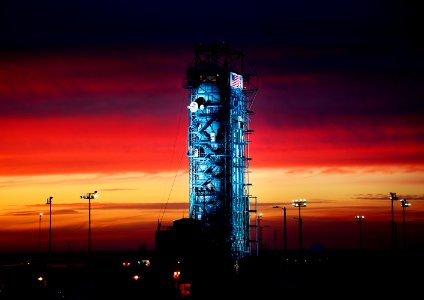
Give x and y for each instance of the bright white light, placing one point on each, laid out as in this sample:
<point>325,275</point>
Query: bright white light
<point>299,202</point>
<point>193,107</point>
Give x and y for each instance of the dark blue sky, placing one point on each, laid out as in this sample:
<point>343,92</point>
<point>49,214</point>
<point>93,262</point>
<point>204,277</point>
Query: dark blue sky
<point>307,23</point>
<point>372,38</point>
<point>349,36</point>
<point>343,36</point>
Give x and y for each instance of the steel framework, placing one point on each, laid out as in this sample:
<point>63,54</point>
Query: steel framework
<point>222,87</point>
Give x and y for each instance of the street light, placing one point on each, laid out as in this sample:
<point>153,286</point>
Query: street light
<point>299,203</point>
<point>262,234</point>
<point>39,233</point>
<point>49,202</point>
<point>258,237</point>
<point>360,221</point>
<point>284,226</point>
<point>261,228</point>
<point>393,197</point>
<point>89,196</point>
<point>404,203</point>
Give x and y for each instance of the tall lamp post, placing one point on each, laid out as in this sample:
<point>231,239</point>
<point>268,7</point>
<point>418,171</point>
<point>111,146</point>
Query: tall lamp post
<point>39,233</point>
<point>393,197</point>
<point>404,203</point>
<point>284,227</point>
<point>261,232</point>
<point>89,196</point>
<point>299,203</point>
<point>258,231</point>
<point>49,202</point>
<point>360,221</point>
<point>261,228</point>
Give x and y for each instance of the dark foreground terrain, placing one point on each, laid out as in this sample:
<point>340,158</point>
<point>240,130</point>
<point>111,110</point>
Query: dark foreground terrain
<point>141,275</point>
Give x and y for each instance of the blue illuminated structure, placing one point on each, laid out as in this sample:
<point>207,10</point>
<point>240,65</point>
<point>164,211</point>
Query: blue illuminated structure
<point>222,87</point>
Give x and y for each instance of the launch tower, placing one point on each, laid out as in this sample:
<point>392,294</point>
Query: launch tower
<point>222,87</point>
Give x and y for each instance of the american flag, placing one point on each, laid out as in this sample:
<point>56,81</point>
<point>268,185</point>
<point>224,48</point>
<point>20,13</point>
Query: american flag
<point>236,80</point>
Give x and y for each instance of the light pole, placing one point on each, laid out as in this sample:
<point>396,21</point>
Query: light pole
<point>39,233</point>
<point>89,196</point>
<point>360,221</point>
<point>299,203</point>
<point>404,203</point>
<point>49,202</point>
<point>393,197</point>
<point>275,240</point>
<point>258,231</point>
<point>284,228</point>
<point>262,234</point>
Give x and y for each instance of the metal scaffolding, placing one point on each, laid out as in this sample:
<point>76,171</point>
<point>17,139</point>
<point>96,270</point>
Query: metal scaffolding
<point>222,87</point>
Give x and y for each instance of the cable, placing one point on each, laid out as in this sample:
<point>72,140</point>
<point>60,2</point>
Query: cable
<point>178,168</point>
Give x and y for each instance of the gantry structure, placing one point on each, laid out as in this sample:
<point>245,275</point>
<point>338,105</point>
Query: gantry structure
<point>221,87</point>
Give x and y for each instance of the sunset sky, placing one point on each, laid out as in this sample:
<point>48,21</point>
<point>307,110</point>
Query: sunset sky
<point>92,99</point>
